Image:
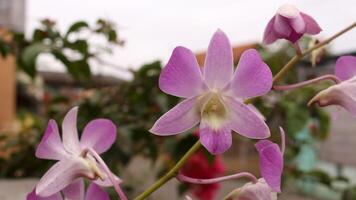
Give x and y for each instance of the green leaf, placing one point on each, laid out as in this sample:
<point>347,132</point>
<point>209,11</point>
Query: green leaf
<point>78,45</point>
<point>29,56</point>
<point>76,27</point>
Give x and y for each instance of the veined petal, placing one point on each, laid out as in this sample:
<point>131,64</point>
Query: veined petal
<point>342,94</point>
<point>98,134</point>
<point>269,35</point>
<point>51,146</point>
<point>298,24</point>
<point>70,132</point>
<point>253,77</point>
<point>33,196</point>
<point>218,67</point>
<point>75,190</point>
<point>246,121</point>
<point>345,67</point>
<point>253,191</point>
<point>181,76</point>
<point>94,192</point>
<point>107,182</point>
<point>180,118</point>
<point>216,141</point>
<point>60,175</point>
<point>312,27</point>
<point>271,163</point>
<point>281,26</point>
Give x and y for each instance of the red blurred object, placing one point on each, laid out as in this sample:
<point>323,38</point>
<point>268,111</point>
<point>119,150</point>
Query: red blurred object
<point>199,166</point>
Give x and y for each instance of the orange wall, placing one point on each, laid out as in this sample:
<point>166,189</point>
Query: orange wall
<point>7,94</point>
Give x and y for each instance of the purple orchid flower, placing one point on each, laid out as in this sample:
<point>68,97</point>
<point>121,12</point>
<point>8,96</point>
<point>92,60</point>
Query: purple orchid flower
<point>74,191</point>
<point>253,191</point>
<point>271,161</point>
<point>76,159</point>
<point>290,24</point>
<point>214,95</point>
<point>344,93</point>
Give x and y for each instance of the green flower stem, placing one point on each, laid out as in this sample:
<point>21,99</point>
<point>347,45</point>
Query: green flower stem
<point>296,58</point>
<point>172,173</point>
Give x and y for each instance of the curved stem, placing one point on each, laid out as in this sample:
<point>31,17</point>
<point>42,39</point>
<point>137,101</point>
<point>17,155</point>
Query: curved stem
<point>187,179</point>
<point>109,174</point>
<point>308,82</point>
<point>296,58</point>
<point>172,173</point>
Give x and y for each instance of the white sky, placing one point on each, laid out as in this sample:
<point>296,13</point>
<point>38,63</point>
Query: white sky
<point>152,28</point>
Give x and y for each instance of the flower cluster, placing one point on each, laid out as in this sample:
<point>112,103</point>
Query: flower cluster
<point>214,97</point>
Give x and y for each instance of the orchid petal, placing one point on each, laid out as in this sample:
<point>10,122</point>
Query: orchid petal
<point>51,146</point>
<point>269,35</point>
<point>281,26</point>
<point>288,11</point>
<point>312,27</point>
<point>182,76</point>
<point>70,132</point>
<point>253,191</point>
<point>33,196</point>
<point>60,175</point>
<point>298,24</point>
<point>107,182</point>
<point>253,77</point>
<point>271,163</point>
<point>218,67</point>
<point>75,190</point>
<point>94,192</point>
<point>99,134</point>
<point>180,118</point>
<point>216,141</point>
<point>342,94</point>
<point>345,67</point>
<point>246,121</point>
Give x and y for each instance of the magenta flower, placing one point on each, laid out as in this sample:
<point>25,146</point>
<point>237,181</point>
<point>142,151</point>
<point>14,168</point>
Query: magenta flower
<point>290,24</point>
<point>74,191</point>
<point>271,162</point>
<point>214,95</point>
<point>76,159</point>
<point>253,191</point>
<point>344,93</point>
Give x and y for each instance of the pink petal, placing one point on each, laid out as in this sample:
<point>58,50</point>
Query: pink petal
<point>253,77</point>
<point>75,190</point>
<point>216,141</point>
<point>288,11</point>
<point>182,76</point>
<point>281,26</point>
<point>312,27</point>
<point>342,94</point>
<point>345,67</point>
<point>59,176</point>
<point>107,182</point>
<point>298,24</point>
<point>99,134</point>
<point>33,196</point>
<point>269,35</point>
<point>271,163</point>
<point>180,118</point>
<point>218,67</point>
<point>94,192</point>
<point>70,132</point>
<point>245,120</point>
<point>253,191</point>
<point>51,146</point>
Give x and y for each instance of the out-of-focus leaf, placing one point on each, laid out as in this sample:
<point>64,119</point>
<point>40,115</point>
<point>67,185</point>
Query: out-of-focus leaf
<point>77,27</point>
<point>29,57</point>
<point>4,48</point>
<point>39,35</point>
<point>78,45</point>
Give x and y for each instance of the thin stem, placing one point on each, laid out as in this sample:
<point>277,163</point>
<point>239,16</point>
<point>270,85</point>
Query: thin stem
<point>172,173</point>
<point>187,179</point>
<point>308,82</point>
<point>296,58</point>
<point>298,50</point>
<point>109,174</point>
<point>283,140</point>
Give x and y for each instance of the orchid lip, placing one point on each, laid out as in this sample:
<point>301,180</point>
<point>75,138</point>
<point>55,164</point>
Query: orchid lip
<point>214,110</point>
